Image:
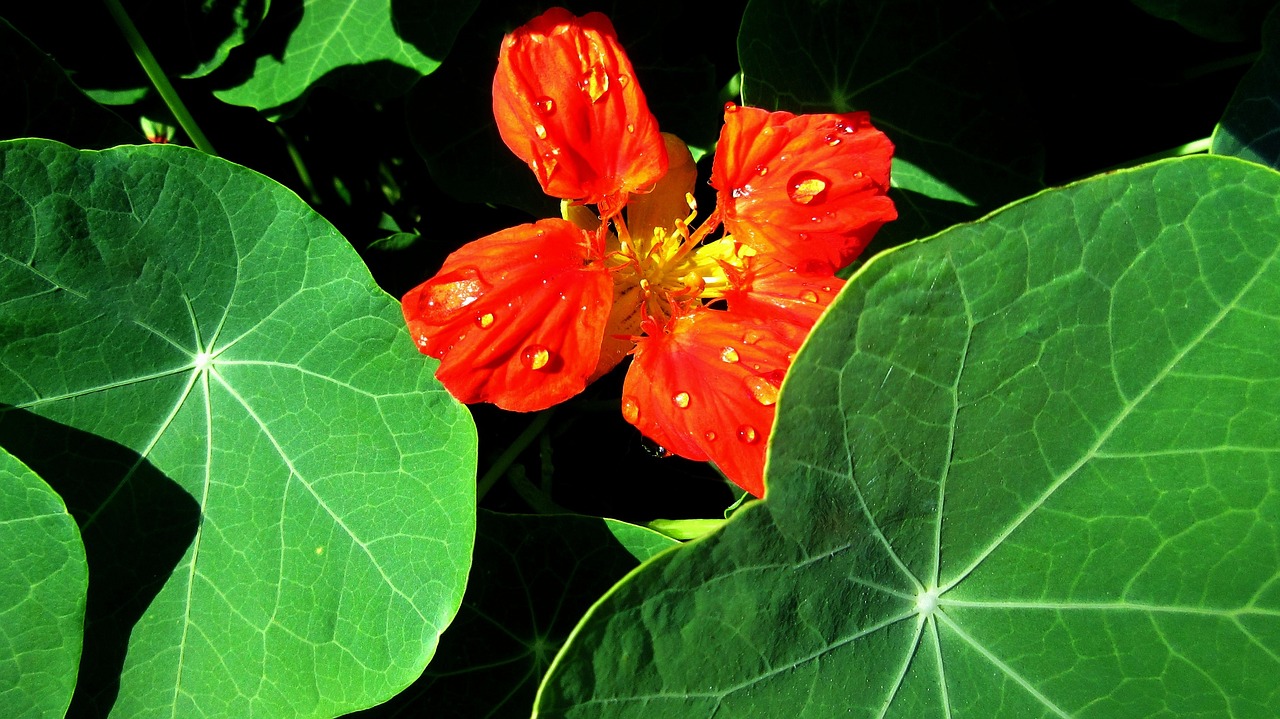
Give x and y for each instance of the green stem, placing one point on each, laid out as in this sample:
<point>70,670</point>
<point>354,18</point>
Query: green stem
<point>504,460</point>
<point>158,79</point>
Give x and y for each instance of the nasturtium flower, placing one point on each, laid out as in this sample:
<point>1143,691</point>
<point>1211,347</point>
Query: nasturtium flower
<point>527,317</point>
<point>566,102</point>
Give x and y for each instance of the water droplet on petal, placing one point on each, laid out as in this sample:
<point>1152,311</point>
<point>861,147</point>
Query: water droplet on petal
<point>762,390</point>
<point>761,170</point>
<point>594,82</point>
<point>730,107</point>
<point>541,131</point>
<point>630,410</point>
<point>710,435</point>
<point>747,434</point>
<point>631,127</point>
<point>751,337</point>
<point>832,140</point>
<point>680,399</point>
<point>809,296</point>
<point>484,321</point>
<point>623,80</point>
<point>447,293</point>
<point>808,188</point>
<point>544,106</point>
<point>535,356</point>
<point>729,354</point>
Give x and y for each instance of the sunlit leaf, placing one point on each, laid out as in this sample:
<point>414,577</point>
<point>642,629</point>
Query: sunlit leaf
<point>1250,127</point>
<point>1027,468</point>
<point>276,498</point>
<point>939,78</point>
<point>43,577</point>
<point>373,48</point>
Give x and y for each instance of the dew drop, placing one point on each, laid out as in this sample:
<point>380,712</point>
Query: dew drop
<point>808,188</point>
<point>535,356</point>
<point>631,127</point>
<point>623,80</point>
<point>710,435</point>
<point>680,399</point>
<point>747,434</point>
<point>541,131</point>
<point>762,170</point>
<point>730,107</point>
<point>484,321</point>
<point>594,82</point>
<point>832,140</point>
<point>729,354</point>
<point>762,390</point>
<point>544,106</point>
<point>630,410</point>
<point>751,337</point>
<point>809,296</point>
<point>447,293</point>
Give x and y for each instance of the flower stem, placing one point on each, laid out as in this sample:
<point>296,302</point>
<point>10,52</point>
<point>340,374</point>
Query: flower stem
<point>157,76</point>
<point>504,460</point>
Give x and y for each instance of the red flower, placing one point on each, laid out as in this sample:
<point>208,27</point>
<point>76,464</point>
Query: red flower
<point>807,189</point>
<point>567,103</point>
<point>525,318</point>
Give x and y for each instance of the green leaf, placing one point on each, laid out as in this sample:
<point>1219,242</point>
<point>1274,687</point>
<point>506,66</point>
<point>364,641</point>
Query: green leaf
<point>43,578</point>
<point>43,102</point>
<point>1027,468</point>
<point>1224,20</point>
<point>938,78</point>
<point>1250,126</point>
<point>533,577</point>
<point>374,48</point>
<point>276,497</point>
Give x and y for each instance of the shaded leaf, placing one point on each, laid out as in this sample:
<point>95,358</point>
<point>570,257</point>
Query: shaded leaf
<point>276,497</point>
<point>1026,468</point>
<point>1250,126</point>
<point>373,48</point>
<point>533,577</point>
<point>43,578</point>
<point>1228,21</point>
<point>43,102</point>
<point>938,78</point>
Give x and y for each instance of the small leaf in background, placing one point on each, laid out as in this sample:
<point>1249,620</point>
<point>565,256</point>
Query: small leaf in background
<point>1223,20</point>
<point>43,102</point>
<point>372,48</point>
<point>43,578</point>
<point>938,78</point>
<point>397,241</point>
<point>276,497</point>
<point>532,578</point>
<point>1024,468</point>
<point>1250,127</point>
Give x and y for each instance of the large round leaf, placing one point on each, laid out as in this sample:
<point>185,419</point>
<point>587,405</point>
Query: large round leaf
<point>43,577</point>
<point>1027,468</point>
<point>276,497</point>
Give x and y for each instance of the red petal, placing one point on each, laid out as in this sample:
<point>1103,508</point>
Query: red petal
<point>773,289</point>
<point>807,189</point>
<point>705,388</point>
<point>515,318</point>
<point>567,102</point>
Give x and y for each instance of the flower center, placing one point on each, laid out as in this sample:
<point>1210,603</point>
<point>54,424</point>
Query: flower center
<point>673,267</point>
